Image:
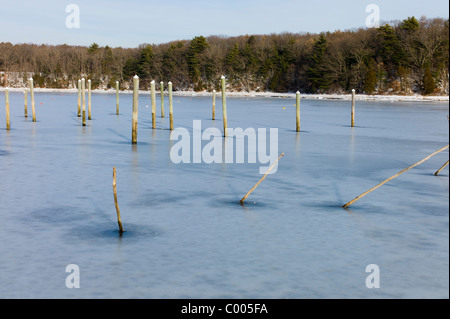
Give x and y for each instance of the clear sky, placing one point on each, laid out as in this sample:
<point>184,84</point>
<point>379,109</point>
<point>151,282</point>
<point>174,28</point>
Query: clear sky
<point>130,23</point>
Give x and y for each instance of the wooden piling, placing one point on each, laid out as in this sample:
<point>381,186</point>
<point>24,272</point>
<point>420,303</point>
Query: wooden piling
<point>262,178</point>
<point>297,100</point>
<point>442,167</point>
<point>119,220</point>
<point>170,105</point>
<point>214,104</point>
<point>224,106</point>
<point>394,176</point>
<point>135,109</point>
<point>353,108</point>
<point>162,98</point>
<point>83,101</point>
<point>25,100</point>
<point>79,98</point>
<point>117,97</point>
<point>8,124</point>
<point>153,94</point>
<point>89,100</point>
<point>33,109</point>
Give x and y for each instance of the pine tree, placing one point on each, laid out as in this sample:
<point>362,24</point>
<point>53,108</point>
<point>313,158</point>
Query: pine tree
<point>93,49</point>
<point>231,59</point>
<point>108,60</point>
<point>197,46</point>
<point>370,80</point>
<point>316,72</point>
<point>428,82</point>
<point>390,46</point>
<point>410,25</point>
<point>145,63</point>
<point>130,68</point>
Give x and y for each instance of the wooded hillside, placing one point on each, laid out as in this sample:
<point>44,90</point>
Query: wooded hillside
<point>409,56</point>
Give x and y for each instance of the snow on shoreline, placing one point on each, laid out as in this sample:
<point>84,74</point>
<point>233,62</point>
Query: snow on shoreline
<point>360,97</point>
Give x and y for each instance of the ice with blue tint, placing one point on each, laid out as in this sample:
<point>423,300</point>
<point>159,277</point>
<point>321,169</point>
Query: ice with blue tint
<point>187,236</point>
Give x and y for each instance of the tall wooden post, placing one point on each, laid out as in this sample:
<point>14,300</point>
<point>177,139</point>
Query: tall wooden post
<point>79,98</point>
<point>8,124</point>
<point>119,220</point>
<point>135,109</point>
<point>162,98</point>
<point>353,108</point>
<point>33,109</point>
<point>117,97</point>
<point>25,97</point>
<point>214,105</point>
<point>170,105</point>
<point>83,100</point>
<point>224,106</point>
<point>152,85</point>
<point>298,110</point>
<point>89,99</point>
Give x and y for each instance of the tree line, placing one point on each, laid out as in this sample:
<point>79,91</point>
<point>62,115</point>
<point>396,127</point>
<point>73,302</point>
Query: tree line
<point>402,57</point>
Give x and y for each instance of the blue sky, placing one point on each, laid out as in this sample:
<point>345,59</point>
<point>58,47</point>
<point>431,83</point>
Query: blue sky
<point>130,23</point>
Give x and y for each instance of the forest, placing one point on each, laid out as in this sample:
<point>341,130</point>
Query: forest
<point>402,57</point>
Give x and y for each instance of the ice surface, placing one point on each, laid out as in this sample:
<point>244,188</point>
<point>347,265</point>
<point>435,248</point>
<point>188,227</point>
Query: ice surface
<point>187,236</point>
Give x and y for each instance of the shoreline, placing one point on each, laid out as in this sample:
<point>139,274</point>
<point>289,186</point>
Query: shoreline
<point>345,97</point>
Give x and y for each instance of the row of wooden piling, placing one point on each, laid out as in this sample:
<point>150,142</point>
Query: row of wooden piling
<point>224,106</point>
<point>8,122</point>
<point>82,100</point>
<point>82,104</point>
<point>153,106</point>
<point>153,102</point>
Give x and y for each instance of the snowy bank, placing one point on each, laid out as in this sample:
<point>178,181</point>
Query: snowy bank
<point>360,97</point>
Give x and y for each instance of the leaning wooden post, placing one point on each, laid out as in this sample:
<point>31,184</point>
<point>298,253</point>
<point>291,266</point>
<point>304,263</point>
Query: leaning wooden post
<point>353,108</point>
<point>224,106</point>
<point>83,100</point>
<point>214,104</point>
<point>8,124</point>
<point>135,109</point>
<point>262,178</point>
<point>162,98</point>
<point>170,105</point>
<point>79,98</point>
<point>25,98</point>
<point>119,221</point>
<point>437,172</point>
<point>297,95</point>
<point>89,99</point>
<point>117,97</point>
<point>33,110</point>
<point>152,84</point>
<point>394,176</point>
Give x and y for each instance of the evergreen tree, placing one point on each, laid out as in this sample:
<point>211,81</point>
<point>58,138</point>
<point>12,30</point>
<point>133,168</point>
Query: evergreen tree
<point>145,63</point>
<point>410,25</point>
<point>196,47</point>
<point>232,58</point>
<point>316,72</point>
<point>93,60</point>
<point>108,60</point>
<point>428,82</point>
<point>93,49</point>
<point>131,67</point>
<point>390,47</point>
<point>370,80</point>
<point>174,62</point>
